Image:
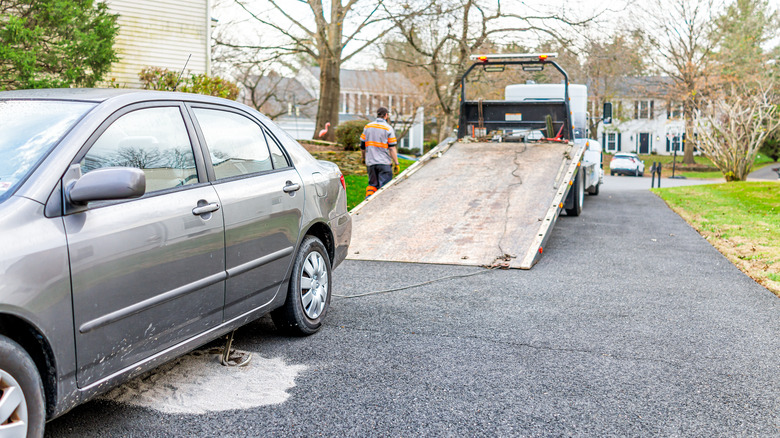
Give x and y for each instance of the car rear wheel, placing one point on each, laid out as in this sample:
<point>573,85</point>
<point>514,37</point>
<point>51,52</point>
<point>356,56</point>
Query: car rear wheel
<point>22,411</point>
<point>636,172</point>
<point>308,296</point>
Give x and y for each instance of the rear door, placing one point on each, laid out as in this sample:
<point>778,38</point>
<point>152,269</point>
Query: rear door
<point>149,272</point>
<point>262,202</point>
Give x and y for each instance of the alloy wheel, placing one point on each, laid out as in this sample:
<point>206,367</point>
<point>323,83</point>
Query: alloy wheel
<point>13,408</point>
<point>314,285</point>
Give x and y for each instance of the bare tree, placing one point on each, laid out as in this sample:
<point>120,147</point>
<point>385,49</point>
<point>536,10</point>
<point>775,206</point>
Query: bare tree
<point>607,62</point>
<point>680,32</point>
<point>323,35</point>
<point>733,127</point>
<point>256,70</point>
<point>440,41</point>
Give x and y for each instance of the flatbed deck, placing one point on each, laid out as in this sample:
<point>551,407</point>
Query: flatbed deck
<point>484,204</point>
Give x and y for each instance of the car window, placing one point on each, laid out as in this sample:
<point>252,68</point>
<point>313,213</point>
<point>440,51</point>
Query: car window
<point>280,161</point>
<point>152,139</point>
<point>237,144</point>
<point>298,154</point>
<point>30,129</point>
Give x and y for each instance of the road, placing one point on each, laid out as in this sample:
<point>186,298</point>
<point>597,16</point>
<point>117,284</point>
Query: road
<point>631,325</point>
<point>764,173</point>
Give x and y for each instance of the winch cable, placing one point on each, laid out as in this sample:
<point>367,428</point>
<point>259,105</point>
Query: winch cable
<point>411,286</point>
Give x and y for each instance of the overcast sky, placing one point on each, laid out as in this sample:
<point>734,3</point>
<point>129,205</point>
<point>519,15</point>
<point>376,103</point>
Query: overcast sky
<point>611,16</point>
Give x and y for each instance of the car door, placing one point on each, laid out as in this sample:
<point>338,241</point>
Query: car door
<point>146,273</point>
<point>262,203</point>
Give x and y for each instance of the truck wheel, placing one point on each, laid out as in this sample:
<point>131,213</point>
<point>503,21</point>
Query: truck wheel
<point>594,191</point>
<point>308,296</point>
<point>22,411</point>
<point>579,196</point>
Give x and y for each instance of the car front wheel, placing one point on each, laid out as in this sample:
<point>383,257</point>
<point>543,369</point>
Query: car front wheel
<point>308,296</point>
<point>22,411</point>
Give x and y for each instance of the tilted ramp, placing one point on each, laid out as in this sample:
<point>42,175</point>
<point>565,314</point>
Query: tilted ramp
<point>484,204</point>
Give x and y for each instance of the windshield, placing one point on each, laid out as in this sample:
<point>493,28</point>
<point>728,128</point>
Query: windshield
<point>29,129</point>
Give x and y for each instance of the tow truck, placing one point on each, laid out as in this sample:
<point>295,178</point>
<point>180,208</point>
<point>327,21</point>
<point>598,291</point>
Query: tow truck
<point>492,197</point>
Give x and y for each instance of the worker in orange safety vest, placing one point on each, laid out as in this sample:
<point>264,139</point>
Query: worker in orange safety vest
<point>378,149</point>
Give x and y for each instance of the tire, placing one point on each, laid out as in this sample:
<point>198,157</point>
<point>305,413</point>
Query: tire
<point>612,173</point>
<point>579,196</point>
<point>636,172</point>
<point>19,375</point>
<point>311,268</point>
<point>594,191</point>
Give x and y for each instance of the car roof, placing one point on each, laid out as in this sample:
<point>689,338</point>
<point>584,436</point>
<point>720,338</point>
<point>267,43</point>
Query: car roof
<point>99,95</point>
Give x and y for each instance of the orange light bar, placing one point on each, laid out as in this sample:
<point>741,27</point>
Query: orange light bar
<point>482,58</point>
<point>542,58</point>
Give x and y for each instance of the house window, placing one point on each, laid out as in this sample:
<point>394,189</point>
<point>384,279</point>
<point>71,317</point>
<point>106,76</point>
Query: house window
<point>643,109</point>
<point>612,141</point>
<point>674,110</point>
<point>674,142</point>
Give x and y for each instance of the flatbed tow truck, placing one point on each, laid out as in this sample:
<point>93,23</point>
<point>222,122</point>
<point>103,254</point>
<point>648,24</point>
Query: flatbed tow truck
<point>485,200</point>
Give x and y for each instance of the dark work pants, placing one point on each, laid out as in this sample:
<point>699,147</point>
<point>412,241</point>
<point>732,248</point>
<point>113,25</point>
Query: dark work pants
<point>378,175</point>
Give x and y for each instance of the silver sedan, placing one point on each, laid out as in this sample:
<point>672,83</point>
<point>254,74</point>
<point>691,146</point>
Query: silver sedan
<point>138,225</point>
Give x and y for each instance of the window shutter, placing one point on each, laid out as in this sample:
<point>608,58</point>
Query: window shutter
<point>618,142</point>
<point>668,145</point>
<point>651,109</point>
<point>636,109</point>
<point>604,140</point>
<point>682,146</point>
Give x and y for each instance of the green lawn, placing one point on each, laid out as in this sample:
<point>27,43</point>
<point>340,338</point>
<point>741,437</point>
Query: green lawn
<point>666,162</point>
<point>356,185</point>
<point>741,219</point>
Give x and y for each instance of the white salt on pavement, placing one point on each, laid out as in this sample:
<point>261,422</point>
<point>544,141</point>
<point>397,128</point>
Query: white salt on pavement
<point>197,383</point>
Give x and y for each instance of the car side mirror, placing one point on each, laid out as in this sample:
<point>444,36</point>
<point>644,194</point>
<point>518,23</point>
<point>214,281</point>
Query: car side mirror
<point>106,184</point>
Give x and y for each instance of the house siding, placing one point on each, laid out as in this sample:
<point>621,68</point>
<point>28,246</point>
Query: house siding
<point>160,33</point>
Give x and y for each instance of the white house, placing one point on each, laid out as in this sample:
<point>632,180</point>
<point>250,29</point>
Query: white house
<point>161,33</point>
<point>646,119</point>
<point>362,92</point>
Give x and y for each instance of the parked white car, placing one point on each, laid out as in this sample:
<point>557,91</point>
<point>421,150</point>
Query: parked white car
<point>626,164</point>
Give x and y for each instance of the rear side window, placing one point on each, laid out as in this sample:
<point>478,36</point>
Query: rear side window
<point>280,161</point>
<point>237,144</point>
<point>152,139</point>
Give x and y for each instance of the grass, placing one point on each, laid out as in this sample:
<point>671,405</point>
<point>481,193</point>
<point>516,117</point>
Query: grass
<point>354,171</point>
<point>740,219</point>
<point>715,174</point>
<point>356,185</point>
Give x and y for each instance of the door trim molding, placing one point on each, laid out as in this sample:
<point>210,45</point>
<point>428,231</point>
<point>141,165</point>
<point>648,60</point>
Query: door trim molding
<point>248,266</point>
<point>151,302</point>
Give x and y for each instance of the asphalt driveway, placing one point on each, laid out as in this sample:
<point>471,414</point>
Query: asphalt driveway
<point>632,324</point>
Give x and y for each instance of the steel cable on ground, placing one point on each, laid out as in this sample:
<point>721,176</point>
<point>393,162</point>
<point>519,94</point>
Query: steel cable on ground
<point>411,286</point>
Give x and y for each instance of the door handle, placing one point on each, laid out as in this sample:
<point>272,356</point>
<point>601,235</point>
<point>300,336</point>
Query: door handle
<point>291,187</point>
<point>203,209</point>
